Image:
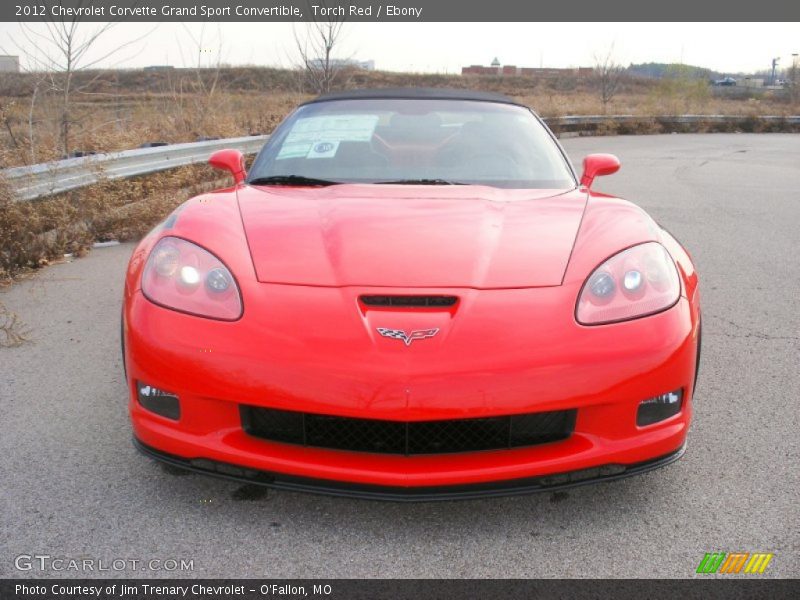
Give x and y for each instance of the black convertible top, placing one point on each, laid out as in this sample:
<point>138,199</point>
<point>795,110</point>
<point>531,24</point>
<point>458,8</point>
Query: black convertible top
<point>415,93</point>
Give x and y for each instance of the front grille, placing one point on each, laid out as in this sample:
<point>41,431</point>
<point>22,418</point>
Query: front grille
<point>408,438</point>
<point>410,301</point>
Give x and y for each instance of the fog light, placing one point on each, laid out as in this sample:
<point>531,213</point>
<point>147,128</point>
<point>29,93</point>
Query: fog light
<point>659,408</point>
<point>158,401</point>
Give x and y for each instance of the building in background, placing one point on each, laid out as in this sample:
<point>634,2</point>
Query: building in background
<point>9,64</point>
<point>512,70</point>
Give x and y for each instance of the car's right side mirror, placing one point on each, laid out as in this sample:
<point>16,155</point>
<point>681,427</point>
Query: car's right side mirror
<point>595,165</point>
<point>231,161</point>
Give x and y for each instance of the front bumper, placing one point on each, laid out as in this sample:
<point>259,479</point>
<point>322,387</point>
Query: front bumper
<point>334,364</point>
<point>512,487</point>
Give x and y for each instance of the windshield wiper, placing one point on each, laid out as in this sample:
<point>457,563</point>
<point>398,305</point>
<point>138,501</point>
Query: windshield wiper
<point>290,180</point>
<point>421,182</point>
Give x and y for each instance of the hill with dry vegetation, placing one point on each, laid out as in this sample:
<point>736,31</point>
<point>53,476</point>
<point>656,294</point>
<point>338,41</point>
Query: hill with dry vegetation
<point>122,109</point>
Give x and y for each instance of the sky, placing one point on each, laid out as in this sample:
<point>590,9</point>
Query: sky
<point>445,47</point>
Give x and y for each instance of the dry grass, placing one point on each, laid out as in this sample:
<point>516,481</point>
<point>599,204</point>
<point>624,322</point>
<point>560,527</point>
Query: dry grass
<point>105,125</point>
<point>124,109</point>
<point>13,332</point>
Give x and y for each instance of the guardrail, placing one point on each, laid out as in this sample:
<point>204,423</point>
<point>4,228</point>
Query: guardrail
<point>60,176</point>
<point>669,119</point>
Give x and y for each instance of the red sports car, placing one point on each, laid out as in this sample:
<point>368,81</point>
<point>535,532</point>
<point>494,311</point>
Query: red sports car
<point>411,295</point>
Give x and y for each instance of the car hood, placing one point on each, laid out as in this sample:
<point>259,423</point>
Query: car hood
<point>410,236</point>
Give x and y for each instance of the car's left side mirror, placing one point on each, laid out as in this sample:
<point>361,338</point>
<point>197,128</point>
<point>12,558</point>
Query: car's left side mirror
<point>231,161</point>
<point>595,165</point>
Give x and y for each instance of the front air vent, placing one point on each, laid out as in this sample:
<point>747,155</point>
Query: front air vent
<point>410,301</point>
<point>407,438</point>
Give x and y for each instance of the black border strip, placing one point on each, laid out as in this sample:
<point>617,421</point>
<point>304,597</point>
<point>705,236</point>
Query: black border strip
<point>730,588</point>
<point>497,11</point>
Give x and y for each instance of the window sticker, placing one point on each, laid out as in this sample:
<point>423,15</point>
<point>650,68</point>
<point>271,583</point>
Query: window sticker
<point>323,150</point>
<point>294,150</point>
<point>307,135</point>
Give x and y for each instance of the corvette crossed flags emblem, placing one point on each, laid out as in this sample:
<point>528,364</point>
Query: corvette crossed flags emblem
<point>407,338</point>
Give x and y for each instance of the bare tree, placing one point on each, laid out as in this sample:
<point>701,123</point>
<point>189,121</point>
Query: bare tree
<point>608,73</point>
<point>6,120</point>
<point>57,52</point>
<point>316,47</point>
<point>208,60</point>
<point>31,110</point>
<point>205,55</point>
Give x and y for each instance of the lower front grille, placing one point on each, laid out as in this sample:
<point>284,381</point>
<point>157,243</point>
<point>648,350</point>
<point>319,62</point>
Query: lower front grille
<point>408,438</point>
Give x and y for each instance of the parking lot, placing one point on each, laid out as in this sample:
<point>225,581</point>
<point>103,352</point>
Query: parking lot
<point>73,486</point>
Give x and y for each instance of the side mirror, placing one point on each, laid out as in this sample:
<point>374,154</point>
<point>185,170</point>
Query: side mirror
<point>231,161</point>
<point>598,164</point>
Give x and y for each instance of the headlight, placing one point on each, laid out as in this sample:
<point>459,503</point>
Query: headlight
<point>637,282</point>
<point>185,277</point>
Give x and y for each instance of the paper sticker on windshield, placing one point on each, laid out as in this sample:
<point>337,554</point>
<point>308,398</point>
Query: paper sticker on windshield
<point>306,134</point>
<point>296,150</point>
<point>334,128</point>
<point>323,150</point>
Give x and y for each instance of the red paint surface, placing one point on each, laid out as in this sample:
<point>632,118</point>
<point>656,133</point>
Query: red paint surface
<point>515,259</point>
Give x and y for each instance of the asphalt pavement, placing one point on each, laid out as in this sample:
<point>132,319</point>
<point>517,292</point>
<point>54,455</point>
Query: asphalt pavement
<point>72,486</point>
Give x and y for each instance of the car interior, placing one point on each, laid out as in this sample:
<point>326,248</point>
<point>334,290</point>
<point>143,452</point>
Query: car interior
<point>427,146</point>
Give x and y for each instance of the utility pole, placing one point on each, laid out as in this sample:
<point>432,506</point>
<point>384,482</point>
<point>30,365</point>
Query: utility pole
<point>775,62</point>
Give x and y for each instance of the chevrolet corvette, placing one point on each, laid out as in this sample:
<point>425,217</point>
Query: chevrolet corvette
<point>411,295</point>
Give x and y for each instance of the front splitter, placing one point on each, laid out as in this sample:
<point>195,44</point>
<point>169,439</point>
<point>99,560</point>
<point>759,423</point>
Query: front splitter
<point>509,487</point>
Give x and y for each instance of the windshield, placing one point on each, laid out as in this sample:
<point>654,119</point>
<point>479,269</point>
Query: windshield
<point>420,141</point>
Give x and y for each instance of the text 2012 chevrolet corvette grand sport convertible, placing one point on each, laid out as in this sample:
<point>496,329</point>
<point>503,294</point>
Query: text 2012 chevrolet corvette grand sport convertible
<point>411,296</point>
